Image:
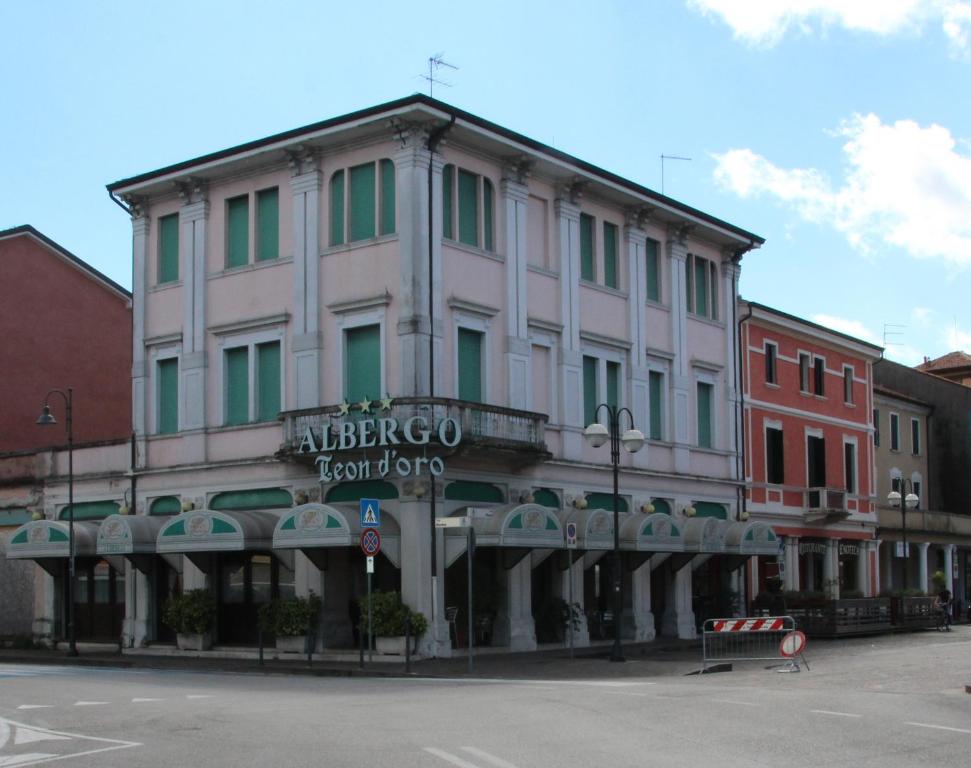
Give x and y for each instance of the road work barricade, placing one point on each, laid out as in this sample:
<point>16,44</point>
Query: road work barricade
<point>768,638</point>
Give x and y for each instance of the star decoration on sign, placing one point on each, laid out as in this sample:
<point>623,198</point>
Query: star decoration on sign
<point>386,403</point>
<point>365,405</point>
<point>345,408</point>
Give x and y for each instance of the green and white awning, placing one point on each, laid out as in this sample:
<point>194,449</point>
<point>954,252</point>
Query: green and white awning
<point>595,527</point>
<point>518,528</point>
<point>751,538</point>
<point>48,542</point>
<point>205,530</point>
<point>705,535</point>
<point>133,537</point>
<point>656,532</point>
<point>314,527</point>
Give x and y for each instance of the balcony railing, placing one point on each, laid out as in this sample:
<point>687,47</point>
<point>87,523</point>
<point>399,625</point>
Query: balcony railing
<point>482,425</point>
<point>826,500</point>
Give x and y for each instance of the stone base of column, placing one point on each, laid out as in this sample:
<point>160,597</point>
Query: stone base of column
<point>644,627</point>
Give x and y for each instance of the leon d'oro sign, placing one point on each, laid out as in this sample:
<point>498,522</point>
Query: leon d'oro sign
<point>378,433</point>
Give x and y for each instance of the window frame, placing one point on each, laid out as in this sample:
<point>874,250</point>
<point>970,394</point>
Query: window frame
<point>710,383</point>
<point>700,266</point>
<point>895,431</point>
<point>160,250</point>
<point>804,378</point>
<point>652,271</point>
<point>158,354</point>
<point>851,470</point>
<point>774,464</point>
<point>657,374</point>
<point>250,341</point>
<point>484,214</point>
<point>351,320</point>
<point>603,356</point>
<point>915,436</point>
<point>849,375</point>
<point>819,376</point>
<point>771,353</point>
<point>339,232</point>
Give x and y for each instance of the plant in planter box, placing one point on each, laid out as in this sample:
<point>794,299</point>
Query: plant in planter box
<point>939,580</point>
<point>388,616</point>
<point>191,615</point>
<point>290,621</point>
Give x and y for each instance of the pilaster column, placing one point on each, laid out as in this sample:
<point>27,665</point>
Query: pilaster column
<point>141,226</point>
<point>882,569</point>
<point>515,199</point>
<point>636,241</point>
<point>514,624</point>
<point>862,571</point>
<point>640,593</point>
<point>831,570</point>
<point>682,600</point>
<point>730,271</point>
<point>581,633</point>
<point>681,382</point>
<point>307,334</point>
<point>412,162</point>
<point>923,580</point>
<point>949,567</point>
<point>570,359</point>
<point>792,564</point>
<point>416,573</point>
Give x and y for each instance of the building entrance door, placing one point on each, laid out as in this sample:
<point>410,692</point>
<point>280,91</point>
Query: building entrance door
<point>247,581</point>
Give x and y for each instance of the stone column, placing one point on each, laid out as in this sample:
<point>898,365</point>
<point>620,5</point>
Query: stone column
<point>681,382</point>
<point>139,602</point>
<point>515,199</point>
<point>570,359</point>
<point>514,622</point>
<point>831,569</point>
<point>141,226</point>
<point>581,633</point>
<point>416,552</point>
<point>810,571</point>
<point>923,579</point>
<point>730,272</point>
<point>882,570</point>
<point>792,563</point>
<point>307,334</point>
<point>641,604</point>
<point>193,220</point>
<point>949,567</point>
<point>636,242</point>
<point>682,600</point>
<point>862,571</point>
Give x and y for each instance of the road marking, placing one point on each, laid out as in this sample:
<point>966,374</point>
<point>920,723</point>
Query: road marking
<point>31,758</point>
<point>513,681</point>
<point>835,714</point>
<point>736,703</point>
<point>450,758</point>
<point>200,696</point>
<point>25,734</point>
<point>625,693</point>
<point>30,735</point>
<point>139,701</point>
<point>940,727</point>
<point>496,761</point>
<point>90,703</point>
<point>35,706</point>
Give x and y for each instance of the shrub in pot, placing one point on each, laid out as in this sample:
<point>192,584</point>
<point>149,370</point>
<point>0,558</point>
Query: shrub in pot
<point>191,615</point>
<point>388,617</point>
<point>290,621</point>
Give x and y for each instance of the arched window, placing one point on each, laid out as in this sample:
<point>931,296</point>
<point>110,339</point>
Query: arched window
<point>362,202</point>
<point>468,206</point>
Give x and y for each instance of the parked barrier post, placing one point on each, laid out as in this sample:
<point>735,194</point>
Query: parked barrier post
<point>259,639</point>
<point>746,639</point>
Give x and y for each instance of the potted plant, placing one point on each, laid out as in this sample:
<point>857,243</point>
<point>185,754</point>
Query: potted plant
<point>191,615</point>
<point>552,620</point>
<point>388,619</point>
<point>290,621</point>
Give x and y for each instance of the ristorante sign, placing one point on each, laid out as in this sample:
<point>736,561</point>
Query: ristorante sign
<point>393,437</point>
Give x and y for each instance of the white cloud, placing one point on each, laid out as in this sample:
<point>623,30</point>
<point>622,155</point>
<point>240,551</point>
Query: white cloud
<point>904,185</point>
<point>853,328</point>
<point>958,339</point>
<point>766,22</point>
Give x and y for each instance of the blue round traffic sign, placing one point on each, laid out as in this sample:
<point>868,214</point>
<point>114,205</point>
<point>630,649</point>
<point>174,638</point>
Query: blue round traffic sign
<point>370,542</point>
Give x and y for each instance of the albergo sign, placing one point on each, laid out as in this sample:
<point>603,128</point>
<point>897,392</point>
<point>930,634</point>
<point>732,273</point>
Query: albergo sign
<point>382,432</point>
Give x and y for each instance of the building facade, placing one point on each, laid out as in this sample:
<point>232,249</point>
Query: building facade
<point>807,394</point>
<point>413,305</point>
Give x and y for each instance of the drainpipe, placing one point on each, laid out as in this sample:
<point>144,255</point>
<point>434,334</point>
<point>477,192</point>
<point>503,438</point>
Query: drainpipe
<point>740,433</point>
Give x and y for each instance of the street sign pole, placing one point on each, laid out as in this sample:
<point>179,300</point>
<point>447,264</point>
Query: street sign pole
<point>571,542</point>
<point>370,546</point>
<point>370,632</point>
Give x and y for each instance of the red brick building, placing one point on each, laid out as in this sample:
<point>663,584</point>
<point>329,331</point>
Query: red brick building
<point>809,456</point>
<point>63,324</point>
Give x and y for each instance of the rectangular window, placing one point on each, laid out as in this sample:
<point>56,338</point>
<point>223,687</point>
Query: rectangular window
<point>819,376</point>
<point>387,198</point>
<point>168,248</point>
<point>895,484</point>
<point>610,255</point>
<point>237,386</point>
<point>468,208</point>
<point>653,271</point>
<point>586,247</point>
<point>167,414</point>
<point>655,383</point>
<point>849,466</point>
<point>876,427</point>
<point>237,231</point>
<point>774,456</point>
<point>713,285</point>
<point>915,487</point>
<point>803,372</point>
<point>613,384</point>
<point>362,363</point>
<point>704,415</point>
<point>537,221</point>
<point>701,276</point>
<point>267,224</point>
<point>894,432</point>
<point>267,381</point>
<point>915,437</point>
<point>470,365</point>
<point>487,197</point>
<point>362,194</point>
<point>770,363</point>
<point>589,390</point>
<point>448,191</point>
<point>337,208</point>
<point>848,384</point>
<point>701,287</point>
<point>816,461</point>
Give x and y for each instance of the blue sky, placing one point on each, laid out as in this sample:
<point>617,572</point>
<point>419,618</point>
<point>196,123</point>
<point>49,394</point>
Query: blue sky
<point>837,129</point>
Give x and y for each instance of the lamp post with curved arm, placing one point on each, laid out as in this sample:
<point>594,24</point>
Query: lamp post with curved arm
<point>597,434</point>
<point>46,418</point>
<point>903,501</point>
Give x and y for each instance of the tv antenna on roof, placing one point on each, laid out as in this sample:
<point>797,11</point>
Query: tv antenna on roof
<point>435,63</point>
<point>669,157</point>
<point>892,329</point>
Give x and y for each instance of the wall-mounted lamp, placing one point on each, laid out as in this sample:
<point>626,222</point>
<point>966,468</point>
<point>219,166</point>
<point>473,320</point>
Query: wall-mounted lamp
<point>743,515</point>
<point>188,505</point>
<point>526,497</point>
<point>419,490</point>
<point>580,502</point>
<point>301,497</point>
<point>647,509</point>
<point>37,515</point>
<point>689,511</point>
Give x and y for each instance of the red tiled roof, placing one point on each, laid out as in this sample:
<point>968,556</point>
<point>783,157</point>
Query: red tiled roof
<point>947,362</point>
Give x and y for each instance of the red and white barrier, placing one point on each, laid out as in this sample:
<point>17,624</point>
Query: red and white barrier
<point>770,624</point>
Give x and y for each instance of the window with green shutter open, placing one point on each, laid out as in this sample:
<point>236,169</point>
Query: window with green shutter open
<point>470,365</point>
<point>168,248</point>
<point>167,393</point>
<point>653,271</point>
<point>267,224</point>
<point>586,247</point>
<point>610,255</point>
<point>468,208</point>
<point>704,395</point>
<point>267,381</point>
<point>237,386</point>
<point>655,394</point>
<point>590,396</point>
<point>237,231</point>
<point>369,190</point>
<point>362,363</point>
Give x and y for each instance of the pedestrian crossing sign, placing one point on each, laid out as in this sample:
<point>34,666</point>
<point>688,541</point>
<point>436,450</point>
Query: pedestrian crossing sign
<point>370,513</point>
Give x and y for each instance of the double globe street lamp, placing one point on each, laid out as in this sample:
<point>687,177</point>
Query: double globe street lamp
<point>596,435</point>
<point>46,418</point>
<point>904,502</point>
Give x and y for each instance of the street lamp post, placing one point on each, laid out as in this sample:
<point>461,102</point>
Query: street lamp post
<point>47,418</point>
<point>903,503</point>
<point>597,434</point>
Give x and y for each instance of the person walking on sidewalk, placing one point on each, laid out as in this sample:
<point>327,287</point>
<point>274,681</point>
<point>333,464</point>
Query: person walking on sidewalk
<point>943,607</point>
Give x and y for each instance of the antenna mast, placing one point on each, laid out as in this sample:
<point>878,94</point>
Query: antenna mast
<point>669,157</point>
<point>435,63</point>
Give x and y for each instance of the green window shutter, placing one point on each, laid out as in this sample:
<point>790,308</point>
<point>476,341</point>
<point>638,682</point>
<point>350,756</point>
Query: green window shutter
<point>487,204</point>
<point>448,176</point>
<point>168,396</point>
<point>168,248</point>
<point>613,384</point>
<point>606,501</point>
<point>546,498</point>
<point>704,415</point>
<point>362,489</point>
<point>710,509</point>
<point>165,505</point>
<point>586,247</point>
<point>589,390</point>
<point>387,198</point>
<point>689,283</point>
<point>267,224</point>
<point>237,385</point>
<point>470,365</point>
<point>655,382</point>
<point>713,283</point>
<point>90,510</point>
<point>268,381</point>
<point>662,506</point>
<point>337,208</point>
<point>610,255</point>
<point>653,272</point>
<point>468,208</point>
<point>362,202</point>
<point>258,498</point>
<point>362,363</point>
<point>701,287</point>
<point>237,231</point>
<point>472,490</point>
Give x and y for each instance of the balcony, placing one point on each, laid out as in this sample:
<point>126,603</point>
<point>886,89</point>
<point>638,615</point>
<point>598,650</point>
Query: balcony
<point>413,426</point>
<point>825,505</point>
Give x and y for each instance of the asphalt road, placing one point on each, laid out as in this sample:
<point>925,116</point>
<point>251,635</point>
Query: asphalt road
<point>891,701</point>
